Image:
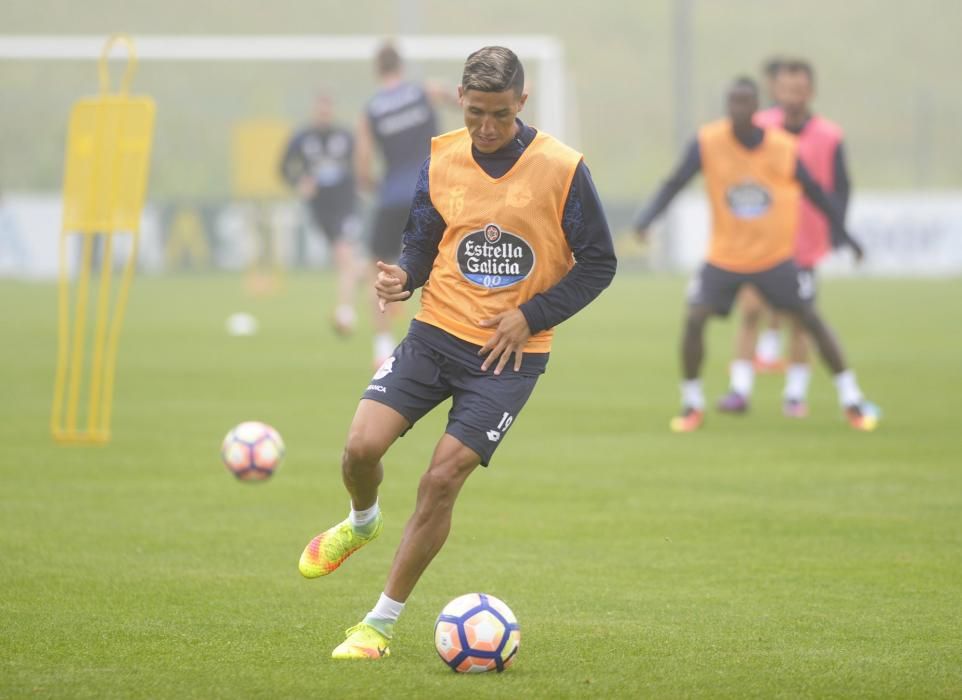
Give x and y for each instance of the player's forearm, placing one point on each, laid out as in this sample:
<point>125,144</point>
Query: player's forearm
<point>582,285</point>
<point>842,182</point>
<point>657,205</point>
<point>817,196</point>
<point>290,169</point>
<point>686,170</point>
<point>363,156</point>
<point>422,234</point>
<point>586,231</point>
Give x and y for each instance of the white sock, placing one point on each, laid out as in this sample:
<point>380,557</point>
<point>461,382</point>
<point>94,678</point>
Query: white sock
<point>692,394</point>
<point>742,376</point>
<point>360,518</point>
<point>383,346</point>
<point>769,347</point>
<point>797,378</point>
<point>386,609</point>
<point>849,393</point>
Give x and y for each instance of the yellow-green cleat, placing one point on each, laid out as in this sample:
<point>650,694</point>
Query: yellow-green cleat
<point>328,550</point>
<point>363,642</point>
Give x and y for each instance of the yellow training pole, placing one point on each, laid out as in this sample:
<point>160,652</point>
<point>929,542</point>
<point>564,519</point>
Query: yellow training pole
<point>110,362</point>
<point>100,339</point>
<point>79,331</point>
<point>105,178</point>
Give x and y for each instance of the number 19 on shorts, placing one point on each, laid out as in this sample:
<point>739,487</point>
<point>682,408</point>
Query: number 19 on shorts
<point>506,420</point>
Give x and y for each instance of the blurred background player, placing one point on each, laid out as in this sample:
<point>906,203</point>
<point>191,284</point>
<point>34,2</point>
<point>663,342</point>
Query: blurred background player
<point>753,177</point>
<point>483,334</point>
<point>770,71</point>
<point>821,151</point>
<point>399,122</point>
<point>319,164</point>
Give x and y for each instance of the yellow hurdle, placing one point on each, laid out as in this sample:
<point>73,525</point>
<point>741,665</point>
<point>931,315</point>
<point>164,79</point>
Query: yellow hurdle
<point>105,179</point>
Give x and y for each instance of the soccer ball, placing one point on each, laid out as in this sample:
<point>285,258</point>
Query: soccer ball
<point>252,451</point>
<point>476,633</point>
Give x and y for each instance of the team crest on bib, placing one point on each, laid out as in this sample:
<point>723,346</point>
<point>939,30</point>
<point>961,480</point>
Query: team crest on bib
<point>494,258</point>
<point>748,200</point>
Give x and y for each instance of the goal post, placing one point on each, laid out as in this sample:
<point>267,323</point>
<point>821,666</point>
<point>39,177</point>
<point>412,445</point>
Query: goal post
<point>545,52</point>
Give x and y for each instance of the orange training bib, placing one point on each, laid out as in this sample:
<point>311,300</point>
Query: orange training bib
<point>503,242</point>
<point>754,197</point>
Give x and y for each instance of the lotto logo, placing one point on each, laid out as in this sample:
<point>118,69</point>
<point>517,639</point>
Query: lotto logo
<point>506,420</point>
<point>385,369</point>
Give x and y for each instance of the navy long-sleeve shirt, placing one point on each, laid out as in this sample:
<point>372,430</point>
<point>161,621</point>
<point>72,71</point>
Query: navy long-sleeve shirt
<point>583,223</point>
<point>690,165</point>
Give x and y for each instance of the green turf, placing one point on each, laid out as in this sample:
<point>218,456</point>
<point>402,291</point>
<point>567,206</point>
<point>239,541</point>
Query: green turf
<point>761,557</point>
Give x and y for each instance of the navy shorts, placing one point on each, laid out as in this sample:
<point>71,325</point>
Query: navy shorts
<point>419,376</point>
<point>334,217</point>
<point>784,287</point>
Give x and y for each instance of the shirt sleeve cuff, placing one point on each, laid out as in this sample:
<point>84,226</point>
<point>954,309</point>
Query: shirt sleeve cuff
<point>534,315</point>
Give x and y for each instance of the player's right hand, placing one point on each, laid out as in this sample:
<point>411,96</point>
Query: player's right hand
<point>306,187</point>
<point>389,284</point>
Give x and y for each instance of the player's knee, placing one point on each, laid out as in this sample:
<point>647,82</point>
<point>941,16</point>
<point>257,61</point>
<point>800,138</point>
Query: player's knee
<point>439,486</point>
<point>360,452</point>
<point>752,315</point>
<point>807,318</point>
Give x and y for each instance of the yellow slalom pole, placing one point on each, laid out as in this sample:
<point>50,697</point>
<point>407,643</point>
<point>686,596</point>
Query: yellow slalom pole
<point>79,331</point>
<point>110,365</point>
<point>100,335</point>
<point>105,176</point>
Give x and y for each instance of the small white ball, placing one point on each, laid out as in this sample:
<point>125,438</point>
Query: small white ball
<point>241,324</point>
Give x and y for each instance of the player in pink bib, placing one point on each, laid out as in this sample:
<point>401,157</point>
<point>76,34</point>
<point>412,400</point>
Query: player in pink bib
<point>821,150</point>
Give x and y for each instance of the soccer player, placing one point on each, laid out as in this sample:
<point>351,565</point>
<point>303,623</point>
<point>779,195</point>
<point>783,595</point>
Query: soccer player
<point>319,164</point>
<point>753,177</point>
<point>508,238</point>
<point>770,71</point>
<point>399,121</point>
<point>821,151</point>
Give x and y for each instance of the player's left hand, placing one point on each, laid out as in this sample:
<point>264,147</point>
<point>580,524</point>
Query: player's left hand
<point>510,336</point>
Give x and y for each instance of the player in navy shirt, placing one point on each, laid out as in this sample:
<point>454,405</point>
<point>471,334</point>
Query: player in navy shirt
<point>319,164</point>
<point>398,122</point>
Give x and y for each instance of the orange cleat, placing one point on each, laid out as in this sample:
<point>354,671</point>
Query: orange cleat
<point>689,420</point>
<point>864,416</point>
<point>763,366</point>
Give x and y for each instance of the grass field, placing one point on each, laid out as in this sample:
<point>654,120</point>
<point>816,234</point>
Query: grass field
<point>759,558</point>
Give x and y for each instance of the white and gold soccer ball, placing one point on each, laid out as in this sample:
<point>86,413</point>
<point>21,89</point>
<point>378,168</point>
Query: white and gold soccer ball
<point>476,633</point>
<point>252,451</point>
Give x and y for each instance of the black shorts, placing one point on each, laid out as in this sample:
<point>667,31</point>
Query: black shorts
<point>418,377</point>
<point>335,218</point>
<point>784,287</point>
<point>389,223</point>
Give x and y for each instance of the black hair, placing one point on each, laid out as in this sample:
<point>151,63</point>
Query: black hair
<point>798,65</point>
<point>388,60</point>
<point>493,69</point>
<point>746,82</point>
